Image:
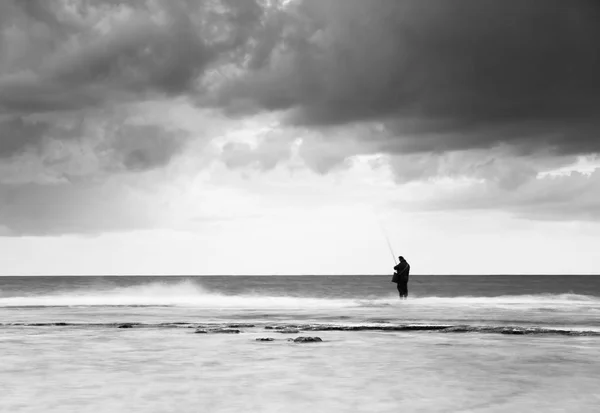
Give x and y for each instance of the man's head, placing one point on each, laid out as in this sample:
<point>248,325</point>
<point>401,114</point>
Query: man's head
<point>401,258</point>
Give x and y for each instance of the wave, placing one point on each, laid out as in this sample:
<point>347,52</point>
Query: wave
<point>183,294</point>
<point>514,300</point>
<point>189,294</point>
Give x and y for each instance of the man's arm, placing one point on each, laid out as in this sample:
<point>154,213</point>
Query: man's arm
<point>401,268</point>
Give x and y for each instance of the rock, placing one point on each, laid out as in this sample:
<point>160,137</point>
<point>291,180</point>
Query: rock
<point>287,327</point>
<point>265,339</point>
<point>403,327</point>
<point>289,331</point>
<point>226,331</point>
<point>307,339</point>
<point>512,331</point>
<point>125,325</point>
<point>240,325</point>
<point>217,331</point>
<point>456,329</point>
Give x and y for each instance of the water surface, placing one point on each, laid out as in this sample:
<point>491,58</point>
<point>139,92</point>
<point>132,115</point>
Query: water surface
<point>483,344</point>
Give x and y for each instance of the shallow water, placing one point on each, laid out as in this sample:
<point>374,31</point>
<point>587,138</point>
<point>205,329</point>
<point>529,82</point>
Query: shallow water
<point>87,364</point>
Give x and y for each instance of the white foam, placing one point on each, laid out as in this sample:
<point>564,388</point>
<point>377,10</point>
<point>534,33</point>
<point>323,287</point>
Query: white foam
<point>183,294</point>
<point>513,301</point>
<point>189,294</point>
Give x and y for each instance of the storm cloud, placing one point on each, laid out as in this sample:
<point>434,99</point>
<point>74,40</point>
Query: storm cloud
<point>73,76</point>
<point>433,76</point>
<point>480,89</point>
<point>437,75</point>
<point>16,135</point>
<point>60,55</point>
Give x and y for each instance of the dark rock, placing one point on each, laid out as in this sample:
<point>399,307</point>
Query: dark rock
<point>289,331</point>
<point>456,329</point>
<point>265,339</point>
<point>288,326</point>
<point>125,325</point>
<point>420,328</point>
<point>403,327</point>
<point>217,331</point>
<point>240,325</point>
<point>512,331</point>
<point>174,323</point>
<point>307,339</point>
<point>59,324</point>
<point>225,331</point>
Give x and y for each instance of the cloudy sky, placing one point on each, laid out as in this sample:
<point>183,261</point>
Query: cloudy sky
<point>293,137</point>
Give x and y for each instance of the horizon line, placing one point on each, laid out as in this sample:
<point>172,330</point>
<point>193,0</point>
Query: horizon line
<point>293,275</point>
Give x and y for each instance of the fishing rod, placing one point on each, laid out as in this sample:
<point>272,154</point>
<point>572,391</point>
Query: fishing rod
<point>387,239</point>
<point>389,244</point>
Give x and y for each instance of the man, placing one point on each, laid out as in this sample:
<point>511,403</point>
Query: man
<point>401,277</point>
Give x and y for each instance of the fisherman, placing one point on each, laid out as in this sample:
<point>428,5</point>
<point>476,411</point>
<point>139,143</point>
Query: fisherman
<point>401,277</point>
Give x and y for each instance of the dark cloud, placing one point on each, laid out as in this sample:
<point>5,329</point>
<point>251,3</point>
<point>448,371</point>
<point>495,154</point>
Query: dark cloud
<point>144,147</point>
<point>73,77</point>
<point>504,170</point>
<point>136,58</point>
<point>433,83</point>
<point>17,134</point>
<point>566,197</point>
<point>440,75</point>
<point>86,60</point>
<point>90,55</point>
<point>88,186</point>
<point>63,150</point>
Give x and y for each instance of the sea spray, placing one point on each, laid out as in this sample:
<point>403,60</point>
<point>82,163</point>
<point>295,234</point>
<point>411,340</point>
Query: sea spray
<point>181,294</point>
<point>192,294</point>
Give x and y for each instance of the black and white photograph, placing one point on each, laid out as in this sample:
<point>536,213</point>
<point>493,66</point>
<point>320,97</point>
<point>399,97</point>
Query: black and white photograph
<point>265,206</point>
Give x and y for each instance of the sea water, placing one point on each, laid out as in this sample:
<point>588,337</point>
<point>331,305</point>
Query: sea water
<point>459,343</point>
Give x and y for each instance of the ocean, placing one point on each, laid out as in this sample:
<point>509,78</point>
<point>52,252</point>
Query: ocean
<point>231,344</point>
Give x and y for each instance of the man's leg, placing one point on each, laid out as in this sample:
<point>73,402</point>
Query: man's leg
<point>399,286</point>
<point>404,292</point>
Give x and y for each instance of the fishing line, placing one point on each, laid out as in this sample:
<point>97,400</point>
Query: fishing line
<point>387,239</point>
<point>389,244</point>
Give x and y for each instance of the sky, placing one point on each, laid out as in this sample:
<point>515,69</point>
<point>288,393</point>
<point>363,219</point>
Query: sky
<point>299,136</point>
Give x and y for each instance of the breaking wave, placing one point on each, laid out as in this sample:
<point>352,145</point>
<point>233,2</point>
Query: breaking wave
<point>189,294</point>
<point>183,294</point>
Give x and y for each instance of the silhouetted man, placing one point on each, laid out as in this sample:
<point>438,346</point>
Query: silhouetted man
<point>401,276</point>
